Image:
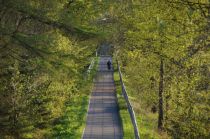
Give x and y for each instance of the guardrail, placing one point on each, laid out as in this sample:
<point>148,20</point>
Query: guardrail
<point>91,65</point>
<point>130,108</point>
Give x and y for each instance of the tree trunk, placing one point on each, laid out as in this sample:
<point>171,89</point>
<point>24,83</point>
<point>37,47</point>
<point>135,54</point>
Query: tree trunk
<point>160,118</point>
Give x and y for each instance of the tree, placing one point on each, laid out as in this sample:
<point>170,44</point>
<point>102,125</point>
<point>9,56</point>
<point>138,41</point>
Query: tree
<point>178,41</point>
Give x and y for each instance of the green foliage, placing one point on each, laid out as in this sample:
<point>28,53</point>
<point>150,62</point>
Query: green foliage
<point>147,124</point>
<point>46,48</point>
<point>43,61</point>
<point>71,124</point>
<point>176,32</point>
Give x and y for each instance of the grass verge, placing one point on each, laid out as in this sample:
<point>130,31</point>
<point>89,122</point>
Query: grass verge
<point>146,120</point>
<point>73,121</point>
<point>70,124</point>
<point>128,132</point>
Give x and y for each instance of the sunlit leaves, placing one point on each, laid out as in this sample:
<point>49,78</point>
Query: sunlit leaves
<point>177,32</point>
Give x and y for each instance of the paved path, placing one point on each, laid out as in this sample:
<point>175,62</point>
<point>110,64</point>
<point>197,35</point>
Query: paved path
<point>103,118</point>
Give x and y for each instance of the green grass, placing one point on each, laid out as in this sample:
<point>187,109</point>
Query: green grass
<point>71,124</point>
<point>128,132</point>
<point>146,120</point>
<point>147,124</point>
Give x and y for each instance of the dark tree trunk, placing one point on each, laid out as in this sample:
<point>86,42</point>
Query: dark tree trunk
<point>160,118</point>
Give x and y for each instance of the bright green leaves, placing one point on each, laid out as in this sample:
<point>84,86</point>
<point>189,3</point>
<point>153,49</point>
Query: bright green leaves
<point>176,32</point>
<point>51,56</point>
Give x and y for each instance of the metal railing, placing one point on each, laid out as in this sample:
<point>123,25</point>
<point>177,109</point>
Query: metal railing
<point>91,65</point>
<point>130,108</point>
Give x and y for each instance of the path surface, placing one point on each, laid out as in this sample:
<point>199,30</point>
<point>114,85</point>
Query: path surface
<point>103,120</point>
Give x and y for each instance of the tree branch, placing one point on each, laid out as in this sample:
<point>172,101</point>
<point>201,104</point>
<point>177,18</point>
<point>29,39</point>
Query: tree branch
<point>66,28</point>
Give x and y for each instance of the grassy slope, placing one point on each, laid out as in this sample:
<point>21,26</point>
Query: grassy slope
<point>147,123</point>
<point>128,131</point>
<point>72,123</point>
<point>146,120</point>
